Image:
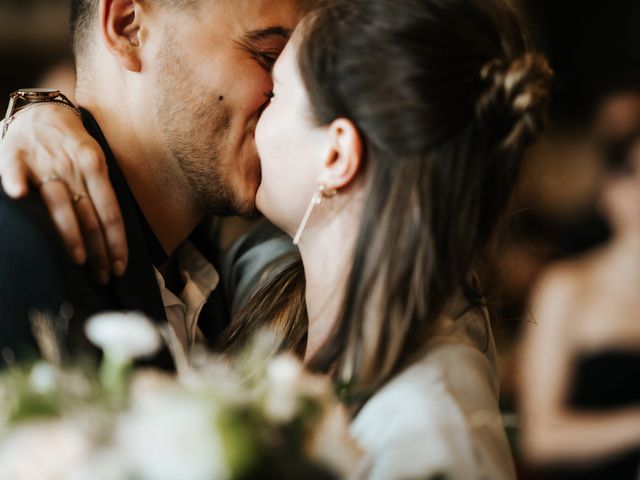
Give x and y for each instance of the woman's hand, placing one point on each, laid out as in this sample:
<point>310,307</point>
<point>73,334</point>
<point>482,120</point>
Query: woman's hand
<point>48,147</point>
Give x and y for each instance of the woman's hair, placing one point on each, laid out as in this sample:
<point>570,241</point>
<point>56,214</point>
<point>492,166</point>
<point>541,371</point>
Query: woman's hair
<point>446,96</point>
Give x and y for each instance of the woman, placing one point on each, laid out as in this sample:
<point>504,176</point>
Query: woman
<point>580,390</point>
<point>391,146</point>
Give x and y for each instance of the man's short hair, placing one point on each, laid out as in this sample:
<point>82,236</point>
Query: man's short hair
<point>84,18</point>
<point>84,15</point>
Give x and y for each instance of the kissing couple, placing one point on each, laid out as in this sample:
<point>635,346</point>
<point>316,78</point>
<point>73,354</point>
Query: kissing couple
<point>385,137</point>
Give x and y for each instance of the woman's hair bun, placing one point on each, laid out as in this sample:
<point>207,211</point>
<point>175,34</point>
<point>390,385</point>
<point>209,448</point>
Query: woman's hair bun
<point>514,102</point>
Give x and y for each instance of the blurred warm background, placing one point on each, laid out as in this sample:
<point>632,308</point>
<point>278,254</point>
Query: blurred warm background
<point>594,47</point>
<point>34,43</point>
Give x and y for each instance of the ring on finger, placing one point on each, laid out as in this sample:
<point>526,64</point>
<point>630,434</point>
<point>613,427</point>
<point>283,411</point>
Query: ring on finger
<point>50,178</point>
<point>76,197</point>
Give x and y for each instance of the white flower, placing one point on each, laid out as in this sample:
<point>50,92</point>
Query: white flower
<point>45,450</point>
<point>42,378</point>
<point>288,383</point>
<point>123,336</point>
<point>283,375</point>
<point>173,436</point>
<point>150,383</point>
<point>103,464</point>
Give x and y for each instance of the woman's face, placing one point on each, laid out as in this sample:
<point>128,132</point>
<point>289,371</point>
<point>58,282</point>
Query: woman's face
<point>290,145</point>
<point>621,197</point>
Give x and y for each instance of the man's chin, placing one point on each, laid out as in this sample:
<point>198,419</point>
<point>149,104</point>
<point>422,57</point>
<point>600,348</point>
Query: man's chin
<point>254,215</point>
<point>235,209</point>
<point>248,212</point>
<point>230,202</point>
<point>247,206</point>
<point>241,206</point>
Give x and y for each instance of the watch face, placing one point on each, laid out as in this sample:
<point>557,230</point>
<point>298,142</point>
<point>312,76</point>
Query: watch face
<point>38,93</point>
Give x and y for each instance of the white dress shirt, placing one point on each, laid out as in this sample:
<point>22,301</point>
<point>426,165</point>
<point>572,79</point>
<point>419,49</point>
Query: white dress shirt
<point>200,278</point>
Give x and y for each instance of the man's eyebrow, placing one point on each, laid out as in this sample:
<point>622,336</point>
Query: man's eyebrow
<point>267,33</point>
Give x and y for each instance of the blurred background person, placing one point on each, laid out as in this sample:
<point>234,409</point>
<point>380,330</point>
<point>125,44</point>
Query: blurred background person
<point>580,389</point>
<point>592,46</point>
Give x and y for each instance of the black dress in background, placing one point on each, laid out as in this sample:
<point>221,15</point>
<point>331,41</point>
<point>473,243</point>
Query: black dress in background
<point>603,382</point>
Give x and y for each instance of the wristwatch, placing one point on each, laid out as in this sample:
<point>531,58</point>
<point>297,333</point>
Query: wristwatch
<point>26,97</point>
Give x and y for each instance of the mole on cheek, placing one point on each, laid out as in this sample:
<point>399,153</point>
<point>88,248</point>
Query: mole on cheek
<point>220,98</point>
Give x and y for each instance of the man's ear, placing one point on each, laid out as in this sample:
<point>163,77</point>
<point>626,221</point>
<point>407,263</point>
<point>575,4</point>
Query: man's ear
<point>120,31</point>
<point>345,159</point>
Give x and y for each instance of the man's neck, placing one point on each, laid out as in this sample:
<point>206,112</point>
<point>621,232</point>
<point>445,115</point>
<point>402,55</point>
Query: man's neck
<point>164,198</point>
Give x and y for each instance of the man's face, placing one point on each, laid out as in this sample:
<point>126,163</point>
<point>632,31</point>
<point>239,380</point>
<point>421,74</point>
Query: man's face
<point>212,77</point>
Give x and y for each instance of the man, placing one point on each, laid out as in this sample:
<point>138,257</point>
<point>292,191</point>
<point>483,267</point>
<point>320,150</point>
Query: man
<point>172,91</point>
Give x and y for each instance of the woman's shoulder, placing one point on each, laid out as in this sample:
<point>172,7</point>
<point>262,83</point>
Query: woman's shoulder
<point>443,391</point>
<point>568,301</point>
<point>435,392</point>
<point>440,415</point>
<point>565,283</point>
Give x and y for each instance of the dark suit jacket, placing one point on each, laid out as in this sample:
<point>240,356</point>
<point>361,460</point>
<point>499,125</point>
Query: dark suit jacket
<point>37,273</point>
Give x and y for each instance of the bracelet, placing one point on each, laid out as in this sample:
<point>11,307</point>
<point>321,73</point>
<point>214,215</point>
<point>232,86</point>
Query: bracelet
<point>8,121</point>
<point>32,97</point>
<point>60,103</point>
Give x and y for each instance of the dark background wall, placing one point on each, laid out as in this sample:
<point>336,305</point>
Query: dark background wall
<point>594,46</point>
<point>33,39</point>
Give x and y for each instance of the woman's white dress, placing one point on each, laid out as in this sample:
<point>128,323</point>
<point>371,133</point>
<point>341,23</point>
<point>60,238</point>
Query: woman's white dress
<point>439,418</point>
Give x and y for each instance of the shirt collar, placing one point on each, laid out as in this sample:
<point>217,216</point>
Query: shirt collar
<point>197,269</point>
<point>199,276</point>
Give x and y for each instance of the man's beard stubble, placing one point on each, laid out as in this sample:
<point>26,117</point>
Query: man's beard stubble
<point>196,126</point>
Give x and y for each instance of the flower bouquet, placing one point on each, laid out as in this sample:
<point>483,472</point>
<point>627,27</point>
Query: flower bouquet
<point>258,415</point>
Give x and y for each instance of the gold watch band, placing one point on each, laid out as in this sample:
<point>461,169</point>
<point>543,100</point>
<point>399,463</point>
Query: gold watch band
<point>31,97</point>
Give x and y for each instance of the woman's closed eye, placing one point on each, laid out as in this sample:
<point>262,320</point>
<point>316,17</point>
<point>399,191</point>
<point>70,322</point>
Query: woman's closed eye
<point>267,102</point>
<point>270,95</point>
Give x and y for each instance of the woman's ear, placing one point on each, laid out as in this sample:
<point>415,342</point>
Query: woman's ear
<point>345,159</point>
<point>120,31</point>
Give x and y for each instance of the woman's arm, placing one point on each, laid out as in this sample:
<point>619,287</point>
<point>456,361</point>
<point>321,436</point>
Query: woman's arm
<point>48,147</point>
<point>553,432</point>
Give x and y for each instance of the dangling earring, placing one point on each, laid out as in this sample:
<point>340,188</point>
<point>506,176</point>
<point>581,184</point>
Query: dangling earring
<point>316,200</point>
